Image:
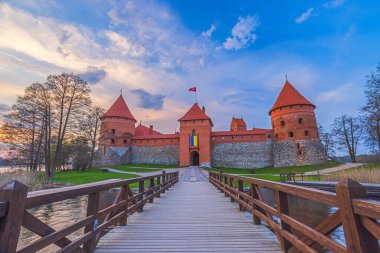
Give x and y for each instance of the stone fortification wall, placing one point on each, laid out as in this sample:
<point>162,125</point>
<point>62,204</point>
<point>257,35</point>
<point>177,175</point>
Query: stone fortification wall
<point>242,154</point>
<point>112,156</point>
<point>155,154</point>
<point>296,153</point>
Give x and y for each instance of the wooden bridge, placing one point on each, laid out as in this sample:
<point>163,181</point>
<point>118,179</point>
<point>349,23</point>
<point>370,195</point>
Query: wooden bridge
<point>187,213</point>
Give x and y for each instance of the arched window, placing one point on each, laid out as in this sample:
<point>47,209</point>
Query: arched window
<point>113,131</point>
<point>113,141</point>
<point>290,134</point>
<point>306,133</point>
<point>300,121</point>
<point>282,123</point>
<point>193,133</point>
<point>125,141</point>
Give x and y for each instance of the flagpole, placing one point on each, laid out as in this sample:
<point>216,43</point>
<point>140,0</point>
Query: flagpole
<point>196,98</point>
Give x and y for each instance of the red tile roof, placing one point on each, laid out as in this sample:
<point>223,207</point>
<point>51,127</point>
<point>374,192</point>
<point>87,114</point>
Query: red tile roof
<point>160,136</point>
<point>119,109</point>
<point>239,121</point>
<point>195,113</point>
<point>290,96</point>
<point>255,131</point>
<point>142,130</point>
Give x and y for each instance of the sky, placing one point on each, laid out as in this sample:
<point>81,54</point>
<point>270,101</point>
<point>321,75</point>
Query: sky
<point>236,53</point>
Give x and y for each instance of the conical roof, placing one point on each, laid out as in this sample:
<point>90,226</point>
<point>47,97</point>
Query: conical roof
<point>119,109</point>
<point>195,113</point>
<point>290,96</point>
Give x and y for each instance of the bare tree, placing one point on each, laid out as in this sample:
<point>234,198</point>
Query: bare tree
<point>347,133</point>
<point>70,96</point>
<point>327,140</point>
<point>89,125</point>
<point>371,109</point>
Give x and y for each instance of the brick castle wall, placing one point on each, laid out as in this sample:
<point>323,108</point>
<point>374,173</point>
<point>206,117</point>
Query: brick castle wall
<point>301,152</point>
<point>242,154</point>
<point>155,154</point>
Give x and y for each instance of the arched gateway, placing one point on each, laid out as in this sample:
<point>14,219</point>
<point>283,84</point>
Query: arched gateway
<point>194,158</point>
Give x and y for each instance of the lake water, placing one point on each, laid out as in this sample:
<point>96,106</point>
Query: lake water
<point>63,213</point>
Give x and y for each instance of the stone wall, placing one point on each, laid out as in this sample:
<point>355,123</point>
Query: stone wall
<point>242,155</point>
<point>155,154</point>
<point>112,156</point>
<point>302,152</point>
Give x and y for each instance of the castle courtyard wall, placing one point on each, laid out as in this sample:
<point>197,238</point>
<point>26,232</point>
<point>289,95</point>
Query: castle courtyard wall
<point>242,154</point>
<point>297,153</point>
<point>168,154</point>
<point>112,156</point>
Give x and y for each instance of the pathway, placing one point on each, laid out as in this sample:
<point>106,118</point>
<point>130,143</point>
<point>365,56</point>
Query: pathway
<point>344,166</point>
<point>142,174</point>
<point>193,216</point>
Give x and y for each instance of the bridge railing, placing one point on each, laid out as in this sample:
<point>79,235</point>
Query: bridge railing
<point>15,202</point>
<point>355,213</point>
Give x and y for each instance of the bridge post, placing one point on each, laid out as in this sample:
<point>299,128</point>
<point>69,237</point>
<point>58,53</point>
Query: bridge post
<point>358,239</point>
<point>240,188</point>
<point>125,189</point>
<point>15,194</point>
<point>225,186</point>
<point>158,186</point>
<point>255,195</point>
<point>220,181</point>
<point>141,190</point>
<point>151,187</point>
<point>232,185</point>
<point>283,208</point>
<point>163,181</point>
<point>92,209</point>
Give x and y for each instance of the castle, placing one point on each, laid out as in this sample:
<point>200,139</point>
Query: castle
<point>293,139</point>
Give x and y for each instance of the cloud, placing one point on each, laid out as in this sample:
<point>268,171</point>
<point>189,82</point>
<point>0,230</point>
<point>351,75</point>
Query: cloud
<point>4,108</point>
<point>148,100</point>
<point>94,75</point>
<point>207,34</point>
<point>349,33</point>
<point>242,34</point>
<point>304,16</point>
<point>334,3</point>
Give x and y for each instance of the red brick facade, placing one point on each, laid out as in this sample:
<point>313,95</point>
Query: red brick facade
<point>292,118</point>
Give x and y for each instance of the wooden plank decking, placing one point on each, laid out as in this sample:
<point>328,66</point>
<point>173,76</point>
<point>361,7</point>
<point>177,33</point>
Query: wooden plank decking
<point>190,217</point>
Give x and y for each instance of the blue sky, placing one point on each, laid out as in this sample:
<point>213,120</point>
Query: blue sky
<point>236,52</point>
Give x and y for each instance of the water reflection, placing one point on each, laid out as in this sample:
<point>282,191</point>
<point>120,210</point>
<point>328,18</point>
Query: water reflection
<point>62,214</point>
<point>308,212</point>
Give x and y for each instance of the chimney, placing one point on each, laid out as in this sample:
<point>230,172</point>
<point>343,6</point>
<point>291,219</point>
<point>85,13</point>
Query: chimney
<point>204,109</point>
<point>150,129</point>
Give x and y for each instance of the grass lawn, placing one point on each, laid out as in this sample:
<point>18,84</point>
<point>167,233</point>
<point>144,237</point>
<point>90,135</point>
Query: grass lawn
<point>278,170</point>
<point>368,173</point>
<point>89,176</point>
<point>133,169</point>
<point>147,165</point>
<point>275,178</point>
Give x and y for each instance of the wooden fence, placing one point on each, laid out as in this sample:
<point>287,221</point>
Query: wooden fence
<point>355,213</point>
<point>15,202</point>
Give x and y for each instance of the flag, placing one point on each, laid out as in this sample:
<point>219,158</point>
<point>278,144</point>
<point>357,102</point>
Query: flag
<point>193,89</point>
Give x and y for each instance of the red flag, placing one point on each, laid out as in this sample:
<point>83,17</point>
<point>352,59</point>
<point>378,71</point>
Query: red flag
<point>193,89</point>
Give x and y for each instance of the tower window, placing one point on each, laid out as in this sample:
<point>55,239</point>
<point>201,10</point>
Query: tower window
<point>125,141</point>
<point>113,141</point>
<point>282,123</point>
<point>113,131</point>
<point>290,134</point>
<point>306,133</point>
<point>300,121</point>
<point>193,133</point>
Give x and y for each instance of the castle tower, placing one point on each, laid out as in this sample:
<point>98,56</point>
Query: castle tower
<point>238,124</point>
<point>295,130</point>
<point>195,137</point>
<point>117,126</point>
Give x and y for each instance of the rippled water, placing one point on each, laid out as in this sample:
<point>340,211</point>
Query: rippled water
<point>62,214</point>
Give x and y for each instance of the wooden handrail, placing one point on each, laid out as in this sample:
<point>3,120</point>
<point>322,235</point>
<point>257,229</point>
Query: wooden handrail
<point>357,215</point>
<point>15,201</point>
